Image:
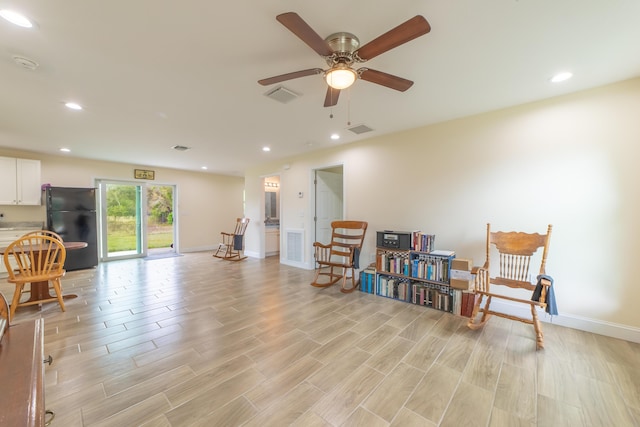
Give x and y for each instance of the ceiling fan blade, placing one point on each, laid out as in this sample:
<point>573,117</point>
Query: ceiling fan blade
<point>384,79</point>
<point>297,26</point>
<point>407,31</point>
<point>331,98</point>
<point>290,76</point>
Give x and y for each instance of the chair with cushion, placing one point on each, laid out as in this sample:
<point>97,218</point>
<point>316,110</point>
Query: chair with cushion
<point>233,243</point>
<point>33,259</point>
<point>339,259</point>
<point>516,252</point>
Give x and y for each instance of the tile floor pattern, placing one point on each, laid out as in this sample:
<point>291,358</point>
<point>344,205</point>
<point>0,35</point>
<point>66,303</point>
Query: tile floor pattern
<point>197,341</point>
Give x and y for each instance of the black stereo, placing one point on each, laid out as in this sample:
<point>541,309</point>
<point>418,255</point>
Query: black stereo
<point>394,239</point>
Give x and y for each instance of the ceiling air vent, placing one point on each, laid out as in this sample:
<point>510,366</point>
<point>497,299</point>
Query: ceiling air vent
<point>358,129</point>
<point>27,63</point>
<point>281,94</point>
<point>181,148</point>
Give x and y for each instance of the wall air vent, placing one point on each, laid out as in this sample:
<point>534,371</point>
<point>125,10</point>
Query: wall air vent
<point>281,94</point>
<point>181,148</point>
<point>294,241</point>
<point>358,129</point>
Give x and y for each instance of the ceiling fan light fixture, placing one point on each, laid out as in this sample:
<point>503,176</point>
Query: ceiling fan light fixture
<point>340,77</point>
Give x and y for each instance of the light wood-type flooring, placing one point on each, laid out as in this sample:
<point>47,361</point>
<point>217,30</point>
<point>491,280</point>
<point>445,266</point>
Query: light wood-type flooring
<point>195,340</point>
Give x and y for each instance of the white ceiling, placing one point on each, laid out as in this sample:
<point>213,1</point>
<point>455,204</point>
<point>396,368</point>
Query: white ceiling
<point>155,73</point>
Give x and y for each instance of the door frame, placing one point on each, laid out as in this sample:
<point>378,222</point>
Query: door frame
<point>103,252</point>
<point>313,207</point>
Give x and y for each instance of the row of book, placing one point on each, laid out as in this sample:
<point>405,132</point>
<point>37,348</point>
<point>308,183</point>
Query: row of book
<point>435,296</point>
<point>422,266</point>
<point>463,302</point>
<point>422,242</point>
<point>431,297</point>
<point>368,280</point>
<point>430,268</point>
<point>392,287</point>
<point>392,262</point>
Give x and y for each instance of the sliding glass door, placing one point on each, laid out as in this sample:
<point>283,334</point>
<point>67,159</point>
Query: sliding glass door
<point>136,219</point>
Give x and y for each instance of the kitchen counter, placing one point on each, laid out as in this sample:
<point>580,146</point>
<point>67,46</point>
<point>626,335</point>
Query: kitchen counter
<point>21,225</point>
<point>11,231</point>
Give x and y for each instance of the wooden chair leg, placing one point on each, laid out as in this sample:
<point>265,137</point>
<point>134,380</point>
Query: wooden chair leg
<point>354,282</point>
<point>16,300</point>
<point>58,288</point>
<point>538,328</point>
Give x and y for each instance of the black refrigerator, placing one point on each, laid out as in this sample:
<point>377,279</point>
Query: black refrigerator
<point>71,212</point>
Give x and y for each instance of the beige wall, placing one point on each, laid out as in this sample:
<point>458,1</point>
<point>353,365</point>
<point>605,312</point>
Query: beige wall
<point>207,203</point>
<point>571,161</point>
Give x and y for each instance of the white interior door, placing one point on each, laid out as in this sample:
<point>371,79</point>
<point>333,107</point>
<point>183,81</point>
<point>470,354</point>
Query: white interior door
<point>329,201</point>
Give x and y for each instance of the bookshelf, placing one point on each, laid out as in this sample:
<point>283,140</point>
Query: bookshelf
<point>410,270</point>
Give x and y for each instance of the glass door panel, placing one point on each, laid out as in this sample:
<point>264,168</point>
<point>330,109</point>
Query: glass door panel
<point>160,226</point>
<point>122,220</point>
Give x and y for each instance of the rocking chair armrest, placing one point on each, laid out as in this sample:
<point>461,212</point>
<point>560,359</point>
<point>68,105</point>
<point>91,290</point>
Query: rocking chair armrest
<point>322,252</point>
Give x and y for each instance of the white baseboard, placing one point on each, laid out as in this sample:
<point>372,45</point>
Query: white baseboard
<point>595,326</point>
<point>302,265</point>
<point>199,249</point>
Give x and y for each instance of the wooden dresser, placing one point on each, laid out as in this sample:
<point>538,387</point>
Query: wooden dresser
<point>21,375</point>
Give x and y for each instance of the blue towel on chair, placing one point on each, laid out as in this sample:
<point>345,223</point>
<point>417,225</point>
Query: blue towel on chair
<point>356,258</point>
<point>552,307</point>
<point>237,242</point>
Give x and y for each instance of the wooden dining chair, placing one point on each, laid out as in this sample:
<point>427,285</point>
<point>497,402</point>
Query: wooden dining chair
<point>232,244</point>
<point>339,259</point>
<point>515,251</point>
<point>32,259</point>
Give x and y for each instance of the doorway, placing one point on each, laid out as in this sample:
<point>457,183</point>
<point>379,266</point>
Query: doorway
<point>272,216</point>
<point>329,201</point>
<point>136,219</point>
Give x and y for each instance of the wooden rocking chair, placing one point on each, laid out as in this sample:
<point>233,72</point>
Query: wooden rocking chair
<point>341,256</point>
<point>515,250</point>
<point>233,243</point>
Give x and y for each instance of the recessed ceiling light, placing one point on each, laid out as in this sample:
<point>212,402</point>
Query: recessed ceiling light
<point>16,18</point>
<point>335,136</point>
<point>73,106</point>
<point>265,149</point>
<point>65,150</point>
<point>204,168</point>
<point>560,77</point>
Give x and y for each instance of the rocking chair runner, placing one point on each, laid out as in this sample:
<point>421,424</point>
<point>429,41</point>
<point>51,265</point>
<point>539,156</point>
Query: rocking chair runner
<point>233,243</point>
<point>515,250</point>
<point>336,259</point>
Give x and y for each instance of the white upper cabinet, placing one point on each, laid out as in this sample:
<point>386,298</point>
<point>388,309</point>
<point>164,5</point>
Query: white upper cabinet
<point>20,180</point>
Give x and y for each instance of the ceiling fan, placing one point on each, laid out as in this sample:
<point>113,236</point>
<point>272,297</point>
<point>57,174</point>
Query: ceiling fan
<point>342,50</point>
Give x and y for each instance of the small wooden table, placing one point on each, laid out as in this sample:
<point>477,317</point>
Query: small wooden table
<point>40,290</point>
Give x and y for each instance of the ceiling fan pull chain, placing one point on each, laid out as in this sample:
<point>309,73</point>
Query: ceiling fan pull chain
<point>349,107</point>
